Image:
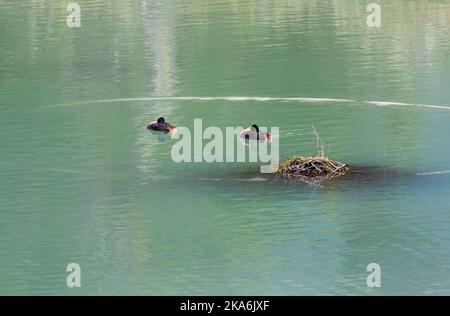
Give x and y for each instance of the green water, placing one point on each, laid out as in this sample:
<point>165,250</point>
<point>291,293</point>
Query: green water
<point>83,181</point>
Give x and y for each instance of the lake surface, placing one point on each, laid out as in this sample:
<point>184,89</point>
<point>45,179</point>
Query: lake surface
<point>83,181</point>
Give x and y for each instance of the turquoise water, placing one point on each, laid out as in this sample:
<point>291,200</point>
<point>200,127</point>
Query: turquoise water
<point>83,181</point>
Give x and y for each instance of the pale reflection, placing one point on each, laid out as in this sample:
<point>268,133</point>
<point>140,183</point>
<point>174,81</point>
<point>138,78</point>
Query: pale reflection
<point>158,20</point>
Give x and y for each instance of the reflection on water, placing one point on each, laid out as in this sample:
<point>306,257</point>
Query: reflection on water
<point>84,181</point>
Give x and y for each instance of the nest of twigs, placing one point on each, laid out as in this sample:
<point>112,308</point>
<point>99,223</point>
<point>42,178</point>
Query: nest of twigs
<point>319,167</point>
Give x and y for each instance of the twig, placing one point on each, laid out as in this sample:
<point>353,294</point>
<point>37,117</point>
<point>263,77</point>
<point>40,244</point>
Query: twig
<point>319,143</point>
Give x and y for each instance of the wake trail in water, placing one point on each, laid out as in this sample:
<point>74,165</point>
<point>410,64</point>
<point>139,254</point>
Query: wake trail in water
<point>430,106</point>
<point>433,173</point>
<point>229,98</point>
<point>32,168</point>
<point>253,98</point>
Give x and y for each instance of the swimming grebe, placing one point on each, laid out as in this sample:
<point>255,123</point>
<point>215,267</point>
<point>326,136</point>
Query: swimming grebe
<point>253,132</point>
<point>160,125</point>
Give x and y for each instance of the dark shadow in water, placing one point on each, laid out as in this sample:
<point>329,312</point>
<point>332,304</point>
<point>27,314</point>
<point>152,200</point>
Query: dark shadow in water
<point>375,175</point>
<point>361,176</point>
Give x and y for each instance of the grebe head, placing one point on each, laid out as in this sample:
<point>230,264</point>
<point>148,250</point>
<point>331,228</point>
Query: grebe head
<point>255,128</point>
<point>160,120</point>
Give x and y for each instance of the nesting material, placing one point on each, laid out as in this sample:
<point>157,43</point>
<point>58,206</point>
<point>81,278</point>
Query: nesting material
<point>319,167</point>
